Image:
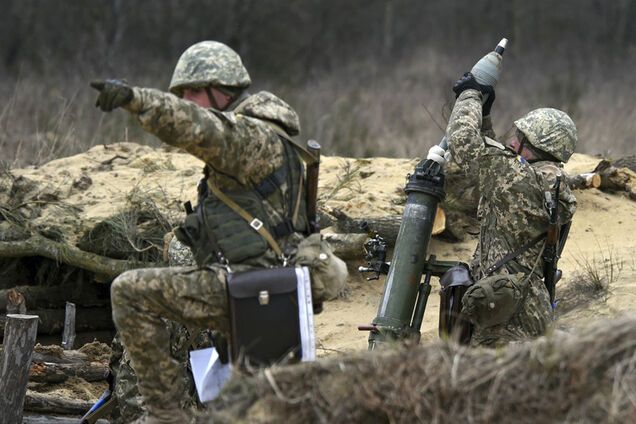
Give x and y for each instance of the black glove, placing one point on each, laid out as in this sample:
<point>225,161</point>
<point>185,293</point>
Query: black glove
<point>468,81</point>
<point>113,93</point>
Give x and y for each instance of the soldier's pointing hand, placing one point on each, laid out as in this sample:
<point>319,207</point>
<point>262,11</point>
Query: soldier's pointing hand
<point>113,93</point>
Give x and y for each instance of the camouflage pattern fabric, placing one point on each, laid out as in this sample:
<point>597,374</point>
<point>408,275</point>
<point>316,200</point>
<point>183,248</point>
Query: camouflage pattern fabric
<point>209,63</point>
<point>126,393</point>
<point>179,254</point>
<point>551,131</point>
<point>142,300</point>
<point>511,212</point>
<point>240,149</point>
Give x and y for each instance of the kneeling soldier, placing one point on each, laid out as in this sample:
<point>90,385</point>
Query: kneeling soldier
<point>251,162</point>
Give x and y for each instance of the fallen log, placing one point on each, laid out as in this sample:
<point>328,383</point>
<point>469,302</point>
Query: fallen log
<point>57,355</point>
<point>50,419</point>
<point>41,402</point>
<point>49,372</point>
<point>347,246</point>
<point>582,181</point>
<point>52,320</point>
<point>54,297</point>
<point>588,377</point>
<point>616,179</point>
<point>94,352</point>
<point>37,245</point>
<point>387,227</point>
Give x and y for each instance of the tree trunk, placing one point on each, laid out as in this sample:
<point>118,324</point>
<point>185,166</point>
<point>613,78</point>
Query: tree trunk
<point>49,419</point>
<point>40,402</point>
<point>41,246</point>
<point>618,179</point>
<point>55,354</point>
<point>19,340</point>
<point>387,227</point>
<point>48,372</point>
<point>347,246</point>
<point>581,181</point>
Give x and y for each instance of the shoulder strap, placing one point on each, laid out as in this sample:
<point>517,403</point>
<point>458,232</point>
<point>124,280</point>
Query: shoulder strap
<point>305,154</point>
<point>510,256</point>
<point>255,223</point>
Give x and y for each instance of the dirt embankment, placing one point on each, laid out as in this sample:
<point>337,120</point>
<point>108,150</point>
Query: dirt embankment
<point>117,201</point>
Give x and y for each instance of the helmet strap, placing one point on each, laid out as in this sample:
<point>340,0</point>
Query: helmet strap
<point>522,143</point>
<point>233,96</point>
<point>211,98</point>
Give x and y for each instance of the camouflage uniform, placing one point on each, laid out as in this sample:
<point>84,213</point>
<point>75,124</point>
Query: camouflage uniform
<point>511,212</point>
<point>125,390</point>
<point>241,148</point>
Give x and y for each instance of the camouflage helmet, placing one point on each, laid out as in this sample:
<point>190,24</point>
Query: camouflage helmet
<point>209,63</point>
<point>550,130</point>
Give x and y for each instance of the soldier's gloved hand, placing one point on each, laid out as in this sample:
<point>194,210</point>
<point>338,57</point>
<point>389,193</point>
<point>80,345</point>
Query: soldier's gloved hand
<point>439,155</point>
<point>113,93</point>
<point>467,82</point>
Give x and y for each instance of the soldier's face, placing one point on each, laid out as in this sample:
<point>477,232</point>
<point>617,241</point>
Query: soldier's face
<point>515,144</point>
<point>197,96</point>
<point>216,98</point>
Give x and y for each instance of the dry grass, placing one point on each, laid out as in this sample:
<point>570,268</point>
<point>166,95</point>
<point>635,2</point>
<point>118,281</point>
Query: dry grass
<point>348,181</point>
<point>593,281</point>
<point>366,109</point>
<point>136,233</point>
<point>360,109</point>
<point>587,377</point>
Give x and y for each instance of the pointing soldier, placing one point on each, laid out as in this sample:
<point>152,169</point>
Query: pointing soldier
<point>246,143</point>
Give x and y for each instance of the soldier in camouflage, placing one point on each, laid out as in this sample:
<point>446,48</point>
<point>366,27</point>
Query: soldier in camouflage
<point>512,183</point>
<point>129,403</point>
<point>245,141</point>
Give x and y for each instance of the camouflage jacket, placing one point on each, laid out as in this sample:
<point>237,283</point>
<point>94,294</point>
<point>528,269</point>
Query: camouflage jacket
<point>240,147</point>
<point>511,191</point>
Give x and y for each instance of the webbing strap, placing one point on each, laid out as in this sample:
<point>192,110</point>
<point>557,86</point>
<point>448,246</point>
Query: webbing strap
<point>510,256</point>
<point>255,223</point>
<point>307,156</point>
<point>298,199</point>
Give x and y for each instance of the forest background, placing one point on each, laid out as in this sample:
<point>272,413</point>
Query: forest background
<point>368,77</point>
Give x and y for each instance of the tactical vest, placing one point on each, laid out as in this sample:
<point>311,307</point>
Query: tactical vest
<point>216,232</point>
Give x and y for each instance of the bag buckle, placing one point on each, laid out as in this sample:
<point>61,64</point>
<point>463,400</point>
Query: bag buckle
<point>263,297</point>
<point>256,224</point>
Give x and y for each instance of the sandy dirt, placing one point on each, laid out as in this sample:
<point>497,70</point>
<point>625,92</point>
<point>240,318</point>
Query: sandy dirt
<point>601,235</point>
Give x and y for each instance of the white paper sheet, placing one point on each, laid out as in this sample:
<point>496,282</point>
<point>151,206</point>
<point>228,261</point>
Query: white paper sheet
<point>306,315</point>
<point>210,375</point>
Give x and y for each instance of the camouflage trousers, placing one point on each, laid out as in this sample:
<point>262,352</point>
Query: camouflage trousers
<point>532,320</point>
<point>141,299</point>
<point>125,392</point>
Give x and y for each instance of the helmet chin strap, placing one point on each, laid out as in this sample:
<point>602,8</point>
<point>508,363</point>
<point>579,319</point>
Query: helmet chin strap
<point>521,145</point>
<point>211,98</point>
